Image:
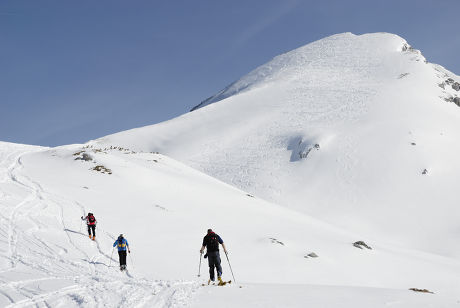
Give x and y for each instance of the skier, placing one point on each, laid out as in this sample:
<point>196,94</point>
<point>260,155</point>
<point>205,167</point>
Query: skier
<point>211,241</point>
<point>91,223</point>
<point>122,245</point>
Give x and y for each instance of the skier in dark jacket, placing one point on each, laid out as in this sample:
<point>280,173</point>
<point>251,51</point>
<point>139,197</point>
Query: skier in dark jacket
<point>211,241</point>
<point>91,223</point>
<point>122,245</point>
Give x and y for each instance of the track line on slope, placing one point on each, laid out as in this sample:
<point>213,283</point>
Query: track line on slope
<point>94,288</point>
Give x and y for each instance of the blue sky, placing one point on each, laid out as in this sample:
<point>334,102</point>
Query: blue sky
<point>71,71</point>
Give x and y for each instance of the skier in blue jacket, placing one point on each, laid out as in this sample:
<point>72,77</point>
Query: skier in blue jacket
<point>122,245</point>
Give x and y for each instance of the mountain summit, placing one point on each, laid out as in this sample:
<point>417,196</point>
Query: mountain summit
<point>356,130</point>
<point>342,53</point>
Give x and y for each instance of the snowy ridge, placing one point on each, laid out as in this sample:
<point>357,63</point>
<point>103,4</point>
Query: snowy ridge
<point>292,64</point>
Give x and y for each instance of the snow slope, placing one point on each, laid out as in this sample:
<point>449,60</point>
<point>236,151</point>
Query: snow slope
<point>46,259</point>
<point>164,207</point>
<point>341,129</point>
<point>265,296</point>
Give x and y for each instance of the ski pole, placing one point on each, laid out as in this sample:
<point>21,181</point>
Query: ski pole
<point>199,267</point>
<point>110,263</point>
<point>230,266</point>
<point>132,263</point>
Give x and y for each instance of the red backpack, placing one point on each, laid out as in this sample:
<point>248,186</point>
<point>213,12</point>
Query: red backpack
<point>91,218</point>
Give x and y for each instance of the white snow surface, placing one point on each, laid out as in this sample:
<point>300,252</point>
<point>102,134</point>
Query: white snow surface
<point>234,165</point>
<point>376,110</point>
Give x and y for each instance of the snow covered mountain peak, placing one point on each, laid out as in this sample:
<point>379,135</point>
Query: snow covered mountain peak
<point>353,139</point>
<point>335,129</point>
<point>343,51</point>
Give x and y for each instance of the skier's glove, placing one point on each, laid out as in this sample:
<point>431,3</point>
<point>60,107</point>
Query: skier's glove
<point>205,256</point>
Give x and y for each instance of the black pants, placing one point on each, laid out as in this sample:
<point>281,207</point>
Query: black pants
<point>214,261</point>
<point>122,257</point>
<point>92,227</point>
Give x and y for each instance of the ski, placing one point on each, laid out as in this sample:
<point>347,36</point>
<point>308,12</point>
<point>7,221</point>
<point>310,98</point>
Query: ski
<point>223,283</point>
<point>219,284</point>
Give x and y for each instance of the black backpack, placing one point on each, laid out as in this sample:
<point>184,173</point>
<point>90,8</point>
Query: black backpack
<point>213,242</point>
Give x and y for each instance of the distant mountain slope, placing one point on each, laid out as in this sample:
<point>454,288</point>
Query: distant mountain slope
<point>359,131</point>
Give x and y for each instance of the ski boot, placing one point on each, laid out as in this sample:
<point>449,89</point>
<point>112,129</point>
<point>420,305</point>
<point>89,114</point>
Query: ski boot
<point>221,282</point>
<point>89,236</point>
<point>94,238</point>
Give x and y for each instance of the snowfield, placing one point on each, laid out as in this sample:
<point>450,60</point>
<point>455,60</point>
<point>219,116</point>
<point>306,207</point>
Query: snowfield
<point>320,148</point>
<point>378,116</point>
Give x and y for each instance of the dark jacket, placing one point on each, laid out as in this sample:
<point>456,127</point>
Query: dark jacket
<point>207,240</point>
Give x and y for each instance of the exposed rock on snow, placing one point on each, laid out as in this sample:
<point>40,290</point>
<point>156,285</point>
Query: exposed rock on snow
<point>454,84</point>
<point>275,241</point>
<point>311,255</point>
<point>456,100</point>
<point>407,47</point>
<point>361,244</point>
<point>421,290</point>
<point>85,157</point>
<point>301,149</point>
<point>102,169</point>
<point>453,99</point>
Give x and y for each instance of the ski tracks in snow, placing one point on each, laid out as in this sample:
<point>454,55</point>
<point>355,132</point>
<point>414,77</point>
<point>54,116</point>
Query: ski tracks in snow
<point>46,262</point>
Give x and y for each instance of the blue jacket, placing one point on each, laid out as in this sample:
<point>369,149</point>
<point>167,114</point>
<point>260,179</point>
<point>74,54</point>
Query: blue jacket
<point>122,246</point>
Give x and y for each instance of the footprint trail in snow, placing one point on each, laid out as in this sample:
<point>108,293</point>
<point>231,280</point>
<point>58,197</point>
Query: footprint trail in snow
<point>46,258</point>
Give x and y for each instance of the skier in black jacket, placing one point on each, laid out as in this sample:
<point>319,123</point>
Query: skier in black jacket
<point>211,241</point>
